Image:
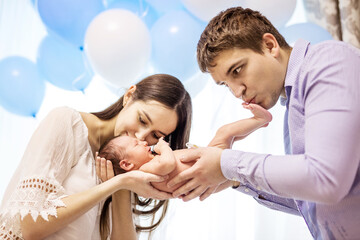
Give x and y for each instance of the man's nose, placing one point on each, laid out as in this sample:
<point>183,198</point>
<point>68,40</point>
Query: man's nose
<point>238,92</point>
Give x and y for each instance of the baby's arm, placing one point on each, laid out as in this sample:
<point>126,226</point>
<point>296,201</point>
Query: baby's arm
<point>227,134</point>
<point>163,163</point>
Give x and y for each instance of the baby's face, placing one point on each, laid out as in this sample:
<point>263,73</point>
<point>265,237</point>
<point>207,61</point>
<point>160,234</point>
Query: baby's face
<point>136,151</point>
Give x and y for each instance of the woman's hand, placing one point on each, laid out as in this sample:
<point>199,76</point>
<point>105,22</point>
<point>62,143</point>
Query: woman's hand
<point>140,183</point>
<point>104,168</point>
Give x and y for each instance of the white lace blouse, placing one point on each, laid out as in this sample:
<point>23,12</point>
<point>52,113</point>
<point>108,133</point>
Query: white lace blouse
<point>57,162</point>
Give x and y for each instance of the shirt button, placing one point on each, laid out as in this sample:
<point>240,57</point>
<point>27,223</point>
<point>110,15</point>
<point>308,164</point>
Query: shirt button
<point>258,188</point>
<point>246,190</point>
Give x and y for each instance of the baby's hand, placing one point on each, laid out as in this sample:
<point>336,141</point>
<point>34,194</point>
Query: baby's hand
<point>160,145</point>
<point>259,112</point>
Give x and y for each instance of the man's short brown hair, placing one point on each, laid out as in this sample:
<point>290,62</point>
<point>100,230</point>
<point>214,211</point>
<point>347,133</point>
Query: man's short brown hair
<point>234,28</point>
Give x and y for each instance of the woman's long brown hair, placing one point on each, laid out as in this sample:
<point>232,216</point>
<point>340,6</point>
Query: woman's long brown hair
<point>169,91</point>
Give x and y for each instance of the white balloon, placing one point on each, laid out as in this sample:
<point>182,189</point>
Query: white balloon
<point>207,9</point>
<point>118,46</point>
<point>278,12</point>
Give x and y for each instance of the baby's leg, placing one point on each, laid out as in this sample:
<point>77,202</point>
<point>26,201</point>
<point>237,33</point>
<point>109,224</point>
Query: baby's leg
<point>259,112</point>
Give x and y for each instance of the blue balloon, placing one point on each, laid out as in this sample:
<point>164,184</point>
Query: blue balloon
<point>174,40</point>
<point>69,18</point>
<point>143,10</point>
<point>62,64</point>
<point>22,89</point>
<point>307,31</point>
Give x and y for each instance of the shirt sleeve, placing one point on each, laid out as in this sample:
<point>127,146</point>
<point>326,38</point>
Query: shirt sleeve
<point>326,170</point>
<point>48,159</point>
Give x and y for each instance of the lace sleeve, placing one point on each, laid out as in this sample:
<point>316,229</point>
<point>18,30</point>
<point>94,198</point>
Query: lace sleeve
<point>36,187</point>
<point>36,196</point>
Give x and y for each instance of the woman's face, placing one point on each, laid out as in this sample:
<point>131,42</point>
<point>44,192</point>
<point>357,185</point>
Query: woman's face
<point>147,121</point>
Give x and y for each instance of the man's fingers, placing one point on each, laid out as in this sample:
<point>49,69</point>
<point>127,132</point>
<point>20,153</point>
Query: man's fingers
<point>185,189</point>
<point>194,194</point>
<point>181,177</point>
<point>190,155</point>
<point>207,193</point>
<point>156,194</point>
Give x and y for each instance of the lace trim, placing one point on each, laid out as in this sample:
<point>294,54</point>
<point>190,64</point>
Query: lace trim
<point>9,234</point>
<point>37,196</point>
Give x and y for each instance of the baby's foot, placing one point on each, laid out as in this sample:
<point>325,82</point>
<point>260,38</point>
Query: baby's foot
<point>259,112</point>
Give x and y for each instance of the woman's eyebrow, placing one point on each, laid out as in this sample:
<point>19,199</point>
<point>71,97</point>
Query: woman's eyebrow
<point>147,116</point>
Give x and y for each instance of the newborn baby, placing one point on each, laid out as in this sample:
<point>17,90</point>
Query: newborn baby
<point>128,153</point>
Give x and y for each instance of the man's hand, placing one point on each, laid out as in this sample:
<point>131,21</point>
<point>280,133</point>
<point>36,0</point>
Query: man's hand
<point>203,177</point>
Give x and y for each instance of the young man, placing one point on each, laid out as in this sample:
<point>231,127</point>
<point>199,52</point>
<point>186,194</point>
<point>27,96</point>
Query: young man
<point>319,85</point>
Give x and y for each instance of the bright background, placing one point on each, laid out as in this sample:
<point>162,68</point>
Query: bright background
<point>51,55</point>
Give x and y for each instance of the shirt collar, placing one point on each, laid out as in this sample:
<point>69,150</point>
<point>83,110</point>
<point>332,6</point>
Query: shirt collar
<point>295,61</point>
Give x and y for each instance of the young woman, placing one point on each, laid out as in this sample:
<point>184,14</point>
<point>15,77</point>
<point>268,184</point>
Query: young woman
<point>55,192</point>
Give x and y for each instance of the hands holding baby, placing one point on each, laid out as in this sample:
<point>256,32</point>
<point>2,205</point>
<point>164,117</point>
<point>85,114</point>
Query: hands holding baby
<point>205,176</point>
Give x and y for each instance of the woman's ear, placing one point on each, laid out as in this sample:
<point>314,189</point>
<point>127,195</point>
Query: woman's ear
<point>126,165</point>
<point>271,45</point>
<point>128,95</point>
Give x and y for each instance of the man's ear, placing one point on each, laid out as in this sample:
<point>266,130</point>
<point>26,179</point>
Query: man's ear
<point>128,95</point>
<point>271,45</point>
<point>126,165</point>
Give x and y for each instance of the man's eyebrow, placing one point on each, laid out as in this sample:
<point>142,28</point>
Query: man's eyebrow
<point>149,119</point>
<point>233,66</point>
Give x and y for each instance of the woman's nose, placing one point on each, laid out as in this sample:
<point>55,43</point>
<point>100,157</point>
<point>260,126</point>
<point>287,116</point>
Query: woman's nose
<point>141,135</point>
<point>143,143</point>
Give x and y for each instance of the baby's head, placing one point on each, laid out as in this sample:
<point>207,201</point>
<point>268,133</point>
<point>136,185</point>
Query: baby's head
<point>126,153</point>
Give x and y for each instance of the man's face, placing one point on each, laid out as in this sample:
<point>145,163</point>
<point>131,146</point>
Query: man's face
<point>253,77</point>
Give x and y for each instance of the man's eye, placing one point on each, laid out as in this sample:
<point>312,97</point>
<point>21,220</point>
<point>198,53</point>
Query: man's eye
<point>223,84</point>
<point>237,70</point>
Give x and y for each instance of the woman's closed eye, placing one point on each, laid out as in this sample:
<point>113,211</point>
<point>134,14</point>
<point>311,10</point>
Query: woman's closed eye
<point>156,136</point>
<point>141,120</point>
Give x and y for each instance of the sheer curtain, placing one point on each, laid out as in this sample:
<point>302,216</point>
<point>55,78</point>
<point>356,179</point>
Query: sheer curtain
<point>340,17</point>
<point>226,215</point>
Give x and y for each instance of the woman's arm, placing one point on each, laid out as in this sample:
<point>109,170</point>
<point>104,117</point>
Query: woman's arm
<point>123,226</point>
<point>79,203</point>
<point>76,205</point>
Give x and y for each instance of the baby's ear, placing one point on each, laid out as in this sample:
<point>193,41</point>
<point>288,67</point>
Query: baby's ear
<point>126,165</point>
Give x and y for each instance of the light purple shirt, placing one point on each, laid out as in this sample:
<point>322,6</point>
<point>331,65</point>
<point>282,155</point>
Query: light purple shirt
<point>322,136</point>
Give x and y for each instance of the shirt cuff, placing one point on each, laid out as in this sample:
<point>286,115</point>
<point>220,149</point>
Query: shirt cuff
<point>244,167</point>
<point>229,161</point>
